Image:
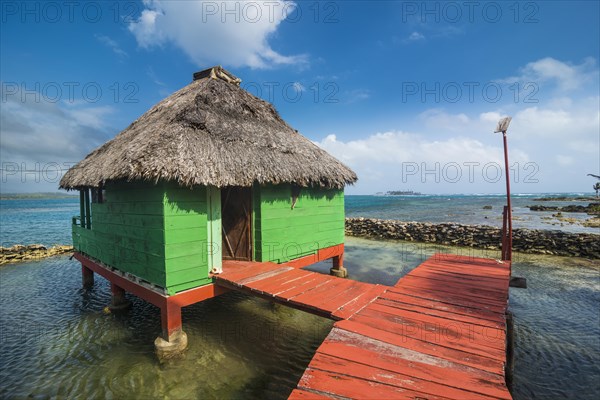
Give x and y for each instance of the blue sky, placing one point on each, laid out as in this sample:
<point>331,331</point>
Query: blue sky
<point>406,93</point>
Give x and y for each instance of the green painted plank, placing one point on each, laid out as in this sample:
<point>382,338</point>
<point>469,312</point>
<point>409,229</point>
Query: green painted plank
<point>148,208</point>
<point>173,289</point>
<point>184,221</point>
<point>155,236</point>
<point>176,250</point>
<point>185,235</point>
<point>185,208</point>
<point>187,275</point>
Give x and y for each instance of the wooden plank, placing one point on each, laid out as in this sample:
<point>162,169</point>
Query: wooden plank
<point>471,265</point>
<point>461,272</point>
<point>455,336</point>
<point>446,286</point>
<point>298,394</point>
<point>484,315</point>
<point>451,315</point>
<point>495,284</point>
<point>252,269</point>
<point>365,370</point>
<point>342,297</point>
<point>317,295</point>
<point>440,292</point>
<point>485,341</point>
<point>350,387</point>
<point>456,356</point>
<point>279,282</point>
<point>301,280</point>
<point>449,298</point>
<point>355,305</point>
<point>312,283</point>
<point>267,275</point>
<point>395,358</point>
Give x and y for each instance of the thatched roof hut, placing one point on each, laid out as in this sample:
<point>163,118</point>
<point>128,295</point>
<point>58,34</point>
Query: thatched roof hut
<point>211,132</point>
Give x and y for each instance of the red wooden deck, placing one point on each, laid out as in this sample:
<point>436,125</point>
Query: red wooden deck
<point>324,295</point>
<point>439,333</point>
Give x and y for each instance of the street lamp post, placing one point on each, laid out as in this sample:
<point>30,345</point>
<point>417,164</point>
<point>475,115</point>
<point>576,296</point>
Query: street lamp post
<point>507,214</point>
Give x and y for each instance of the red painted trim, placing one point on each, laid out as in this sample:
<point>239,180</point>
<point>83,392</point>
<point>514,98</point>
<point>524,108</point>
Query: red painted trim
<point>321,255</point>
<point>170,306</point>
<point>134,288</point>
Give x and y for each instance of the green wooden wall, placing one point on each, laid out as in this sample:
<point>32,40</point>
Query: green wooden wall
<point>162,233</point>
<point>282,233</point>
<point>155,232</point>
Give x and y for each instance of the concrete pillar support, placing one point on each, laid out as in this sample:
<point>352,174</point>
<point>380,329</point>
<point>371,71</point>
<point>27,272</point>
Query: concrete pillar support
<point>338,269</point>
<point>173,341</point>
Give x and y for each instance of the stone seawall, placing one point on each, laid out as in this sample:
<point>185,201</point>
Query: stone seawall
<point>478,236</point>
<point>19,252</point>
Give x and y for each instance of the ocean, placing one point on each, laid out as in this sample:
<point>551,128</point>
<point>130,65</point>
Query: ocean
<point>55,340</point>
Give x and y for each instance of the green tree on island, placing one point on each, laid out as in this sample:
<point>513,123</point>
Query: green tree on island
<point>596,187</point>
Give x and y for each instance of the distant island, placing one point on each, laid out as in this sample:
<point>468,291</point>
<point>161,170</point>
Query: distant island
<point>36,196</point>
<point>398,193</point>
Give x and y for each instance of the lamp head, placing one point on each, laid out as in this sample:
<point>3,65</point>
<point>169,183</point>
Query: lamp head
<point>503,125</point>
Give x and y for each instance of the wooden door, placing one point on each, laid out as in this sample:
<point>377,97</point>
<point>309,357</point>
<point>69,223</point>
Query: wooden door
<point>236,217</point>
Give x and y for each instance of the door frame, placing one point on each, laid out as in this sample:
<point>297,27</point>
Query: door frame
<point>249,225</point>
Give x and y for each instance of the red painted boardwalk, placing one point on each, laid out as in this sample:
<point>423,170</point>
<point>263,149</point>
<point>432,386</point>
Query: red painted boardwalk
<point>313,292</point>
<point>439,333</point>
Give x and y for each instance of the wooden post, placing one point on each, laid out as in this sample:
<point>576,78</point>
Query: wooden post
<point>338,267</point>
<point>87,277</point>
<point>88,221</point>
<point>118,301</point>
<point>81,208</point>
<point>170,315</point>
<point>173,340</point>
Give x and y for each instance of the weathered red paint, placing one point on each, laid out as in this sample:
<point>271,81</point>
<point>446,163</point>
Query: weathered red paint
<point>170,306</point>
<point>336,252</point>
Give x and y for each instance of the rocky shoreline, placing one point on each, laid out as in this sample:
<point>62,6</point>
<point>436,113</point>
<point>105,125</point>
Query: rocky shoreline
<point>534,241</point>
<point>19,252</point>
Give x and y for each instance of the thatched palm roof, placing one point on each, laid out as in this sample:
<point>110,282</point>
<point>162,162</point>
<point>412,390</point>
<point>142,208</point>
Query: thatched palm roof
<point>211,132</point>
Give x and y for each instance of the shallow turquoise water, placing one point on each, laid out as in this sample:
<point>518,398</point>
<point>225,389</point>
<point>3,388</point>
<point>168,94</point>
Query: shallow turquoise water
<point>55,341</point>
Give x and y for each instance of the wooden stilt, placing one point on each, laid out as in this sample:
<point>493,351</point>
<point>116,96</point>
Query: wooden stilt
<point>87,277</point>
<point>338,269</point>
<point>170,314</point>
<point>118,302</point>
<point>173,340</point>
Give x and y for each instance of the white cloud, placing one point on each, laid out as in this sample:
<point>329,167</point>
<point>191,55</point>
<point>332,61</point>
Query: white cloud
<point>439,119</point>
<point>38,134</point>
<point>231,33</point>
<point>416,36</point>
<point>299,87</point>
<point>114,46</point>
<point>580,120</point>
<point>565,76</point>
<point>543,141</point>
<point>396,159</point>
